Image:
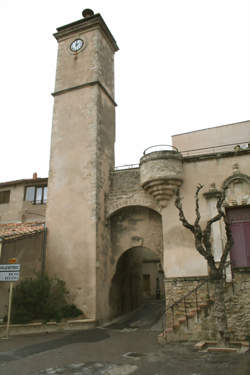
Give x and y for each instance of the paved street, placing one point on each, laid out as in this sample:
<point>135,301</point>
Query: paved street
<point>112,352</point>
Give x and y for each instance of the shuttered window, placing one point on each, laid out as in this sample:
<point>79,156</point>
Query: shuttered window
<point>4,196</point>
<point>240,226</point>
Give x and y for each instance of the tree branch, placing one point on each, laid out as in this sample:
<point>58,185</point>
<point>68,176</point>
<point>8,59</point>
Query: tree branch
<point>195,229</point>
<point>197,207</point>
<point>228,245</point>
<point>182,217</point>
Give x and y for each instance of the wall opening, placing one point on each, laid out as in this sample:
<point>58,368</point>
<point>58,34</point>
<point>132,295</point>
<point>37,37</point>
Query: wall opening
<point>138,278</point>
<point>239,218</point>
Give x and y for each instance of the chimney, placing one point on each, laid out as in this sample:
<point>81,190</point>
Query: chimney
<point>34,175</point>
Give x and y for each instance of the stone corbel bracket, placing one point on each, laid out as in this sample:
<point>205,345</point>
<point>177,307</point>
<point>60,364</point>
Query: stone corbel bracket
<point>161,173</point>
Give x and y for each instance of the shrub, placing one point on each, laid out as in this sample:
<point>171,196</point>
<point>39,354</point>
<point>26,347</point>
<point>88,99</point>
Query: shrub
<point>41,298</point>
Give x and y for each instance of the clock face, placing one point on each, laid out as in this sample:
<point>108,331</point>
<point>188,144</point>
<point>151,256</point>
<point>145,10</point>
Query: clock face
<point>76,45</point>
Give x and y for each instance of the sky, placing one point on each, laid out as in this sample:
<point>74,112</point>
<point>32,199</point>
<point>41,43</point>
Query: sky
<point>182,66</point>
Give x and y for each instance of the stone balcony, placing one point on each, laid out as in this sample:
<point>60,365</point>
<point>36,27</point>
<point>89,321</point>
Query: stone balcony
<point>161,173</point>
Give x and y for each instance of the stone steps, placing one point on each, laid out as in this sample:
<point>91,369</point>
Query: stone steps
<point>185,324</point>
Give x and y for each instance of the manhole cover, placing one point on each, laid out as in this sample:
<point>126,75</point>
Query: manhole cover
<point>133,355</point>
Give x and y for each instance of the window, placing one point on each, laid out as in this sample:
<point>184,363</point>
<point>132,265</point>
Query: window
<point>240,225</point>
<point>4,196</point>
<point>36,194</point>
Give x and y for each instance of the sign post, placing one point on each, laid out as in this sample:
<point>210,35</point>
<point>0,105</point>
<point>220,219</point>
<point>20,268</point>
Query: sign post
<point>9,310</point>
<point>10,273</point>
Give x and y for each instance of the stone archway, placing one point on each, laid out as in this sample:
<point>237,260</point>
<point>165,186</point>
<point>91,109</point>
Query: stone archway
<point>138,277</point>
<point>137,248</point>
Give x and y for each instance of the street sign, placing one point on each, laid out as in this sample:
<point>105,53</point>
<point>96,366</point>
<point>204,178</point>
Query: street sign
<point>9,267</point>
<point>12,260</point>
<point>9,276</point>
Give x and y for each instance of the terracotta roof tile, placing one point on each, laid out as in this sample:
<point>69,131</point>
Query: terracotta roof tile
<point>18,230</point>
<point>34,181</point>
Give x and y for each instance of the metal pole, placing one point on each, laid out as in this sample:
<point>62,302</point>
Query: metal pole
<point>44,249</point>
<point>9,310</point>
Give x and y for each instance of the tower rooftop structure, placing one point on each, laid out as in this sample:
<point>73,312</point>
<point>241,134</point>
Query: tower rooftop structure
<point>90,21</point>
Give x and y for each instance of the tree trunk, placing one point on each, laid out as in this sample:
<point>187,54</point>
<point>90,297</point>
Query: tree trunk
<point>203,245</point>
<point>220,313</point>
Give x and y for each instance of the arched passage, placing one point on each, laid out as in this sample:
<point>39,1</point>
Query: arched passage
<point>136,237</point>
<point>138,277</point>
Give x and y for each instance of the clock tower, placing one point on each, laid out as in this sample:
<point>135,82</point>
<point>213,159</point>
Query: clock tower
<point>82,156</point>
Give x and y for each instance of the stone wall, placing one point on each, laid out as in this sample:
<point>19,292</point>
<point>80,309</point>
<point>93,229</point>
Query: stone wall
<point>126,191</point>
<point>237,300</point>
<point>238,304</point>
<point>176,289</point>
<point>125,180</point>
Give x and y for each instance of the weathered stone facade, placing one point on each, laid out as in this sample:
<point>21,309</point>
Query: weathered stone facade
<point>112,233</point>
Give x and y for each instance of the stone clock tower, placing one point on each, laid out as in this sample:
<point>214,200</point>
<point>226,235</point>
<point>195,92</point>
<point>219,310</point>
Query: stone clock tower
<point>82,156</point>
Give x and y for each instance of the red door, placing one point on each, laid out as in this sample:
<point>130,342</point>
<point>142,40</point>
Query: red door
<point>240,226</point>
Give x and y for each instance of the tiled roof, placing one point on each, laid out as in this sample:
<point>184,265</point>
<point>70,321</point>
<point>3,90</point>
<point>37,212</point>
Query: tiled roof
<point>24,181</point>
<point>18,230</point>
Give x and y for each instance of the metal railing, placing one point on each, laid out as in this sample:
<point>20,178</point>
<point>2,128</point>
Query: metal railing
<point>160,148</point>
<point>236,147</point>
<point>183,301</point>
<point>126,166</point>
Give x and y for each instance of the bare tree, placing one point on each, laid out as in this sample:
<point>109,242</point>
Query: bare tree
<point>203,245</point>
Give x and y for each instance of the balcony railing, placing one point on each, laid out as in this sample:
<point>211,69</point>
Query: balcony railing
<point>126,166</point>
<point>159,148</point>
<point>236,147</point>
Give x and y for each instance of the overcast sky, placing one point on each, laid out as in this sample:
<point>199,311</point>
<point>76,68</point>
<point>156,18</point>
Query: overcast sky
<point>182,65</point>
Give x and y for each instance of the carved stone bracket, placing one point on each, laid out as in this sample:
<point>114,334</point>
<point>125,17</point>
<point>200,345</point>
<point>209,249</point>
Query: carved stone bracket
<point>161,174</point>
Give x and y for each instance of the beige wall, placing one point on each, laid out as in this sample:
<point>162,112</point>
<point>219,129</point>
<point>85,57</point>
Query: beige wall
<point>216,136</point>
<point>18,210</point>
<point>12,212</point>
<point>180,257</point>
<point>28,253</point>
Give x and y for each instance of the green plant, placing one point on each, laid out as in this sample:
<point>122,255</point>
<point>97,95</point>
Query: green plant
<point>71,311</point>
<point>41,298</point>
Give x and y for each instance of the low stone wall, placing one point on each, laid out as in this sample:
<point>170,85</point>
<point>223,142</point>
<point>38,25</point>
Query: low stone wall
<point>238,304</point>
<point>237,300</point>
<point>49,327</point>
<point>176,288</point>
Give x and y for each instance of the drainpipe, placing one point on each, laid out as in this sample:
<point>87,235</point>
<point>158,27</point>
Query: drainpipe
<point>44,249</point>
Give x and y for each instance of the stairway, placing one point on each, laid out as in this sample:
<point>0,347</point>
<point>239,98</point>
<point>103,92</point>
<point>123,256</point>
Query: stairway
<point>182,321</point>
<point>191,317</point>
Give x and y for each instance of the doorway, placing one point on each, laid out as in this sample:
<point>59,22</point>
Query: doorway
<point>136,280</point>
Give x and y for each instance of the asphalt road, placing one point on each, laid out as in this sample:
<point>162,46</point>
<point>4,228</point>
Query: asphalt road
<point>112,352</point>
<point>127,347</point>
